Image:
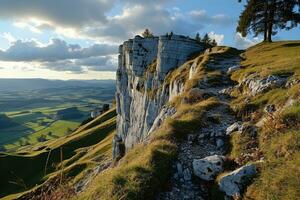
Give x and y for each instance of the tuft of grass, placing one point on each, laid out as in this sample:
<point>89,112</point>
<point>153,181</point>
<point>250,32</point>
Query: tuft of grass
<point>291,115</point>
<point>277,180</point>
<point>279,177</point>
<point>190,118</point>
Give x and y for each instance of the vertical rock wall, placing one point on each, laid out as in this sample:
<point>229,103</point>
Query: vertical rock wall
<point>137,109</point>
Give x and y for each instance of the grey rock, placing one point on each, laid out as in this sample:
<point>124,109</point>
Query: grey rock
<point>270,109</point>
<point>292,82</point>
<point>209,167</point>
<point>173,52</point>
<point>164,113</point>
<point>219,143</point>
<point>139,114</point>
<point>187,175</point>
<point>118,147</point>
<point>257,85</point>
<point>232,128</point>
<point>179,170</point>
<point>233,69</point>
<point>234,183</point>
<point>226,91</point>
<point>191,138</point>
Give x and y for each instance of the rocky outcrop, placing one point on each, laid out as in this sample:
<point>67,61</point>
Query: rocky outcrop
<point>209,167</point>
<point>142,94</point>
<point>233,128</point>
<point>234,183</point>
<point>257,85</point>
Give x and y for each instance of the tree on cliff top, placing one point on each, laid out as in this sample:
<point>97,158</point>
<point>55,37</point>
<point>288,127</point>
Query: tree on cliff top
<point>267,16</point>
<point>147,34</point>
<point>206,39</point>
<point>198,38</point>
<point>214,43</point>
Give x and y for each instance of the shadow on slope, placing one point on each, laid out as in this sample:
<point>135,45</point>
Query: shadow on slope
<point>21,171</point>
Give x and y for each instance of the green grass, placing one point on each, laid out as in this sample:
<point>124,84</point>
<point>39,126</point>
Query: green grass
<point>279,177</point>
<point>291,115</point>
<point>271,58</point>
<point>33,110</point>
<point>28,169</point>
<point>145,169</point>
<point>279,137</point>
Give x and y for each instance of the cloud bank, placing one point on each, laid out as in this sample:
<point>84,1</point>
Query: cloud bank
<point>60,56</point>
<point>97,21</point>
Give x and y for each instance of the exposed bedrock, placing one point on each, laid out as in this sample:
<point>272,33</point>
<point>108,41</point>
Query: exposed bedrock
<point>141,95</point>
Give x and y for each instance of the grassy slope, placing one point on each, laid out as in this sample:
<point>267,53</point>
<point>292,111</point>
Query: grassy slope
<point>80,150</point>
<point>33,111</point>
<point>145,169</point>
<point>36,123</point>
<point>279,138</point>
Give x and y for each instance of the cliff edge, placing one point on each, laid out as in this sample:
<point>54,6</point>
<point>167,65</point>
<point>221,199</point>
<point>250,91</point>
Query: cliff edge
<point>143,66</point>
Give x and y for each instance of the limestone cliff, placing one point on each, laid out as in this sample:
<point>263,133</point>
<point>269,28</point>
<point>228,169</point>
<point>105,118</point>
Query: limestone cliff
<point>141,94</point>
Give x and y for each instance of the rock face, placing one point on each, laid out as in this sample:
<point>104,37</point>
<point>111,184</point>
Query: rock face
<point>257,85</point>
<point>143,65</point>
<point>208,168</point>
<point>233,183</point>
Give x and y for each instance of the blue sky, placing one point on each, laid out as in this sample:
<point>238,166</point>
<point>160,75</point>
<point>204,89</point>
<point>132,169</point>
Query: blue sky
<point>78,39</point>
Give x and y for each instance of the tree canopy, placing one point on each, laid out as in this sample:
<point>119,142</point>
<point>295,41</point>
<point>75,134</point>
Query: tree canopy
<point>268,16</point>
<point>147,34</point>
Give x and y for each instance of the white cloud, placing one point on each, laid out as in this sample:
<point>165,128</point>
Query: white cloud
<point>88,19</point>
<point>59,56</point>
<point>218,37</point>
<point>33,70</point>
<point>26,25</point>
<point>202,17</point>
<point>56,49</point>
<point>244,42</point>
<point>65,13</point>
<point>9,37</point>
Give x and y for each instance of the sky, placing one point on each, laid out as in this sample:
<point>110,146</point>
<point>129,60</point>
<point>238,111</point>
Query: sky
<point>78,39</point>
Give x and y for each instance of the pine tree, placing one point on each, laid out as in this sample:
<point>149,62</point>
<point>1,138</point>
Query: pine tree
<point>268,16</point>
<point>147,34</point>
<point>254,18</point>
<point>198,38</point>
<point>206,39</point>
<point>214,43</point>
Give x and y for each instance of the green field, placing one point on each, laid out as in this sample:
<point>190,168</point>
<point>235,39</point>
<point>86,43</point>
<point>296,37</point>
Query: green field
<point>28,169</point>
<point>33,117</point>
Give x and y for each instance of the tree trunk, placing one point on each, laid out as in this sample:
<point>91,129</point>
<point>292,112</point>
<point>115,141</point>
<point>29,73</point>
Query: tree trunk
<point>271,20</point>
<point>270,30</point>
<point>266,22</point>
<point>265,33</point>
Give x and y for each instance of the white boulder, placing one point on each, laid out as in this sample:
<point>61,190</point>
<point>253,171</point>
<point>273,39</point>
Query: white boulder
<point>233,69</point>
<point>257,85</point>
<point>209,167</point>
<point>233,183</point>
<point>234,127</point>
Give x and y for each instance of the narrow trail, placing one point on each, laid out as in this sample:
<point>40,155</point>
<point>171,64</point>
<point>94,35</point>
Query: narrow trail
<point>210,140</point>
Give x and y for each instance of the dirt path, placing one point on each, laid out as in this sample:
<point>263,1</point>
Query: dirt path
<point>210,140</point>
